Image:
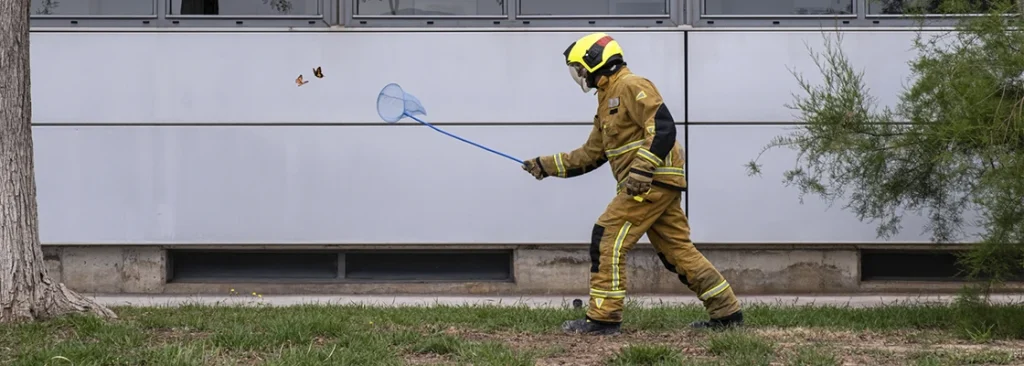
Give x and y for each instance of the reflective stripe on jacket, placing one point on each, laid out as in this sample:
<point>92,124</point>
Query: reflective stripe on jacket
<point>633,130</point>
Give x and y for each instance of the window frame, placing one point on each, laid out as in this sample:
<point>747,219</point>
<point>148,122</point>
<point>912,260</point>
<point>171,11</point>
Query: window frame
<point>700,6</point>
<point>154,15</point>
<point>96,20</point>
<point>162,19</point>
<point>670,4</point>
<point>943,17</point>
<point>513,20</point>
<point>860,19</point>
<point>355,15</point>
<point>325,18</point>
<point>341,14</point>
<point>320,4</point>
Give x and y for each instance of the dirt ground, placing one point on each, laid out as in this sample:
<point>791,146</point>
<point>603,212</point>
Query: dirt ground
<point>850,348</point>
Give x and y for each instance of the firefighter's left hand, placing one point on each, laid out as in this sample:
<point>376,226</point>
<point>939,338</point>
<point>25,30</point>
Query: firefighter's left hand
<point>637,184</point>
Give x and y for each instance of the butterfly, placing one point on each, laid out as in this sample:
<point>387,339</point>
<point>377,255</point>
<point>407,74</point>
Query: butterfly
<point>319,74</point>
<point>299,81</point>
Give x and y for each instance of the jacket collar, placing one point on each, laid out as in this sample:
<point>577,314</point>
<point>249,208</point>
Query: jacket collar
<point>605,81</point>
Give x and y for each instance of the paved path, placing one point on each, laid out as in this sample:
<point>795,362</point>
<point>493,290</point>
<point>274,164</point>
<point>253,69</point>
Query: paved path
<point>532,301</point>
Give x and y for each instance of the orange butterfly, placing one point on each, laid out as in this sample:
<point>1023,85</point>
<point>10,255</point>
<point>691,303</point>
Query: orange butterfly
<point>299,81</point>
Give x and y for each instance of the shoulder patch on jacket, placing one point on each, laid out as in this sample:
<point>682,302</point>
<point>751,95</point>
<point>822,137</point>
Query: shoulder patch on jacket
<point>641,95</point>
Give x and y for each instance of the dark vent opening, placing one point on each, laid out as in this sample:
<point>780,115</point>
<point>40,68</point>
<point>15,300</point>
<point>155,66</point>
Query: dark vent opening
<point>207,265</point>
<point>915,265</point>
<point>490,265</point>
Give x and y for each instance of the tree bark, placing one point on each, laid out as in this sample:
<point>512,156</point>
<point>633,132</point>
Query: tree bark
<point>26,291</point>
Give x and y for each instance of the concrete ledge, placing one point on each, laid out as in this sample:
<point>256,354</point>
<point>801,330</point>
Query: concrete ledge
<point>752,269</point>
<point>108,269</point>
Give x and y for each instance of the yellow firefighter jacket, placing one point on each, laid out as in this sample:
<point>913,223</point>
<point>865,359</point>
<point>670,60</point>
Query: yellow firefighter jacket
<point>633,130</point>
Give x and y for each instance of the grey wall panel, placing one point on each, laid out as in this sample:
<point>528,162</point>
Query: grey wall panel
<point>745,76</point>
<point>486,77</point>
<point>352,184</point>
<point>727,205</point>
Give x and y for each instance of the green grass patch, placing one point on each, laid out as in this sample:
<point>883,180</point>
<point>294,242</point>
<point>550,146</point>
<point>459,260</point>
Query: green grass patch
<point>363,335</point>
<point>442,345</point>
<point>658,355</point>
<point>494,353</point>
<point>948,357</point>
<point>737,347</point>
<point>813,356</point>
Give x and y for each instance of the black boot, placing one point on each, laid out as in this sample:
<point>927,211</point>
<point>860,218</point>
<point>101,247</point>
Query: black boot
<point>731,320</point>
<point>587,326</point>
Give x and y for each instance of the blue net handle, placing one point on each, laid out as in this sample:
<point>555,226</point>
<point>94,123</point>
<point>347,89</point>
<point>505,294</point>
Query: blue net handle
<point>393,103</point>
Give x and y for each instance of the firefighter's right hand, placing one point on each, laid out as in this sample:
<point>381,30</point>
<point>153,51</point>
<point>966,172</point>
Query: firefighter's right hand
<point>534,167</point>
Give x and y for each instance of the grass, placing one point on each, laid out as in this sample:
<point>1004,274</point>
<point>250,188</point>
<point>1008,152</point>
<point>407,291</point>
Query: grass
<point>646,355</point>
<point>741,348</point>
<point>814,356</point>
<point>491,335</point>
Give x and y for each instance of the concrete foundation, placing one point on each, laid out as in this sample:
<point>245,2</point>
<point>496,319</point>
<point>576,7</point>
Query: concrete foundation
<point>768,269</point>
<point>108,269</point>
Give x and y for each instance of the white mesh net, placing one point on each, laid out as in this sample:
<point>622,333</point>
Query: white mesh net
<point>393,104</point>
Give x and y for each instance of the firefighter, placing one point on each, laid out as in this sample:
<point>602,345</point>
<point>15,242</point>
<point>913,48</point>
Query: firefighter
<point>633,131</point>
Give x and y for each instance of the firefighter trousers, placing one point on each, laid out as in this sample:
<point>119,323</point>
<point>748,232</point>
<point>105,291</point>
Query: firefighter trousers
<point>660,216</point>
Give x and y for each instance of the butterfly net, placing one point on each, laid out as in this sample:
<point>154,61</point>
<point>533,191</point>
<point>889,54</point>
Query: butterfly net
<point>393,103</point>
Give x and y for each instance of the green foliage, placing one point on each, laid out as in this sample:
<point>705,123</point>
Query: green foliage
<point>952,148</point>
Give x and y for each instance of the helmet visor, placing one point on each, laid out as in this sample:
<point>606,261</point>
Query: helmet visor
<point>579,75</point>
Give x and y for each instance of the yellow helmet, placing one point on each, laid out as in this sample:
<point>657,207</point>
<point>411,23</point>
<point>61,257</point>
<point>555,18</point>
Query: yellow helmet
<point>588,55</point>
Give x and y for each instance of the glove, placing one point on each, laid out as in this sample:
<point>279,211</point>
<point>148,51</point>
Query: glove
<point>637,184</point>
<point>534,168</point>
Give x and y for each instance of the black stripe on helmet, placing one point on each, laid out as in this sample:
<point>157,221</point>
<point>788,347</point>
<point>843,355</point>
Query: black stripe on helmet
<point>593,57</point>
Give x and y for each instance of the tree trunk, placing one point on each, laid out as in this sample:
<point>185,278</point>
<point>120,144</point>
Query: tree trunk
<point>26,292</point>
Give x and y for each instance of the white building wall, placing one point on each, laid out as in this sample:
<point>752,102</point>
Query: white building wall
<point>204,138</point>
